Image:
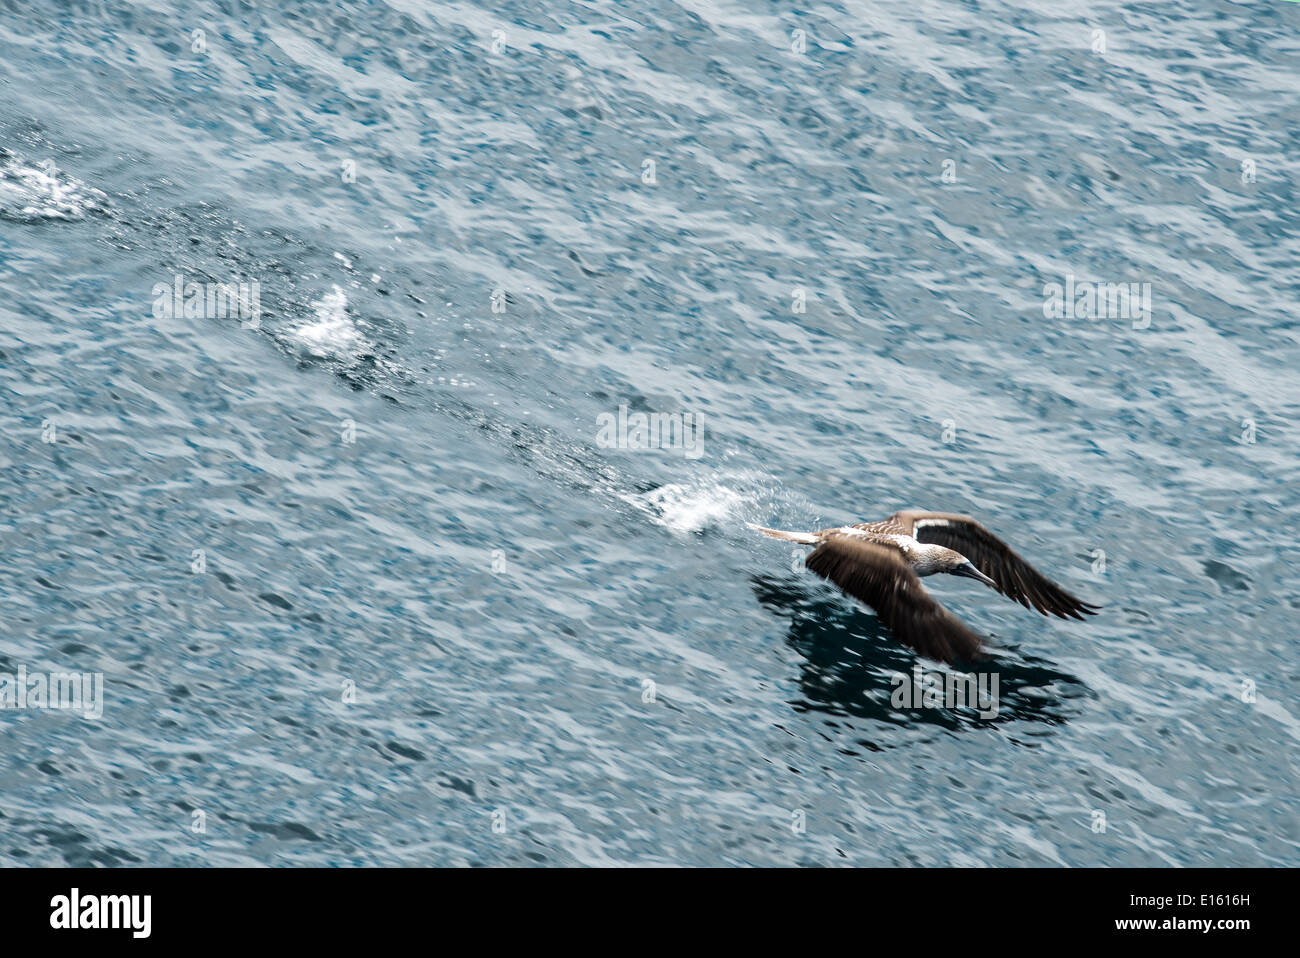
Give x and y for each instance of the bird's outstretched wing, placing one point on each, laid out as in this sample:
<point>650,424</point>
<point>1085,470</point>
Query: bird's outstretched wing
<point>1015,577</point>
<point>877,575</point>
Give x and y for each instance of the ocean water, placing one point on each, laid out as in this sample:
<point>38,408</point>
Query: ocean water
<point>367,586</point>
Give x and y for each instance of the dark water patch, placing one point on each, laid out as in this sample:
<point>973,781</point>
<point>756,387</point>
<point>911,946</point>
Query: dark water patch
<point>851,664</point>
<point>285,831</point>
<point>1227,577</point>
<point>405,751</point>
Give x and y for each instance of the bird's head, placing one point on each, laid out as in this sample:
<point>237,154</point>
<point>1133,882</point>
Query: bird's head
<point>954,563</point>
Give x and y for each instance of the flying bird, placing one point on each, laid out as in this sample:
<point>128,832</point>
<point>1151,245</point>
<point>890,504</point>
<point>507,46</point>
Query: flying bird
<point>881,564</point>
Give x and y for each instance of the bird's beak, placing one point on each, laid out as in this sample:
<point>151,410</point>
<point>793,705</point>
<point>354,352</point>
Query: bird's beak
<point>970,572</point>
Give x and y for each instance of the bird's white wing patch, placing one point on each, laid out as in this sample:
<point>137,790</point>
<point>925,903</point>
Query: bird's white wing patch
<point>920,523</point>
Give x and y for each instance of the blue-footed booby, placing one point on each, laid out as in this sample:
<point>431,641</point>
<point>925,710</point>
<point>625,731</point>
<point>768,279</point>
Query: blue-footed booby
<point>881,564</point>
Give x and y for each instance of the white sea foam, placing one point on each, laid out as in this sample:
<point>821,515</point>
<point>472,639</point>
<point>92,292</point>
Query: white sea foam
<point>332,333</point>
<point>32,192</point>
<point>683,507</point>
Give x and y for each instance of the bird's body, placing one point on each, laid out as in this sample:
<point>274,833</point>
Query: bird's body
<point>881,564</point>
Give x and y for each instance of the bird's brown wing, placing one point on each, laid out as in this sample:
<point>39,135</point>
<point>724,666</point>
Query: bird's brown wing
<point>1015,577</point>
<point>877,575</point>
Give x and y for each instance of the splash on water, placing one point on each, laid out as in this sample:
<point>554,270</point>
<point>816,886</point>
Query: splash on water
<point>689,507</point>
<point>331,333</point>
<point>31,193</point>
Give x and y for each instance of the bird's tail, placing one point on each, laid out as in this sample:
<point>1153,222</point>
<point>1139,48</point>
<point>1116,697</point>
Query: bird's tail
<point>806,538</point>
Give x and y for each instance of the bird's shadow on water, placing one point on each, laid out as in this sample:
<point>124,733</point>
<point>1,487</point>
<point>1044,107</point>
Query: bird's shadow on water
<point>851,664</point>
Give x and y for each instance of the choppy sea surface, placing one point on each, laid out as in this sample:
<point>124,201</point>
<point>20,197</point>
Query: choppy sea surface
<point>365,585</point>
